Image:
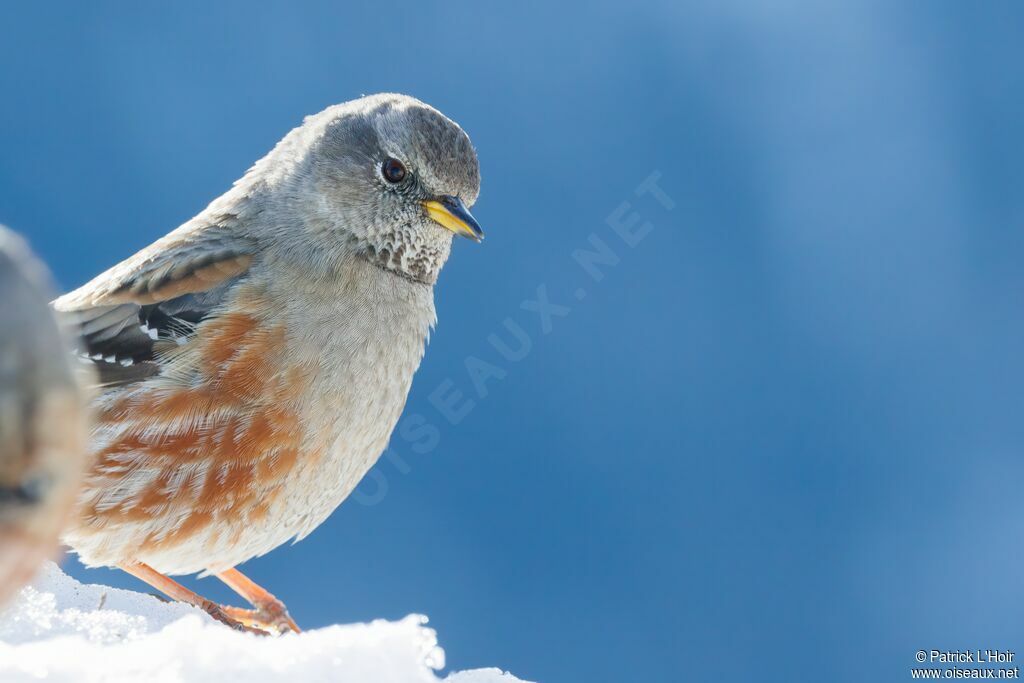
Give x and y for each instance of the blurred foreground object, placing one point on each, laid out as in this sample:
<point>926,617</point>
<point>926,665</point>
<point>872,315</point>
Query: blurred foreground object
<point>43,418</point>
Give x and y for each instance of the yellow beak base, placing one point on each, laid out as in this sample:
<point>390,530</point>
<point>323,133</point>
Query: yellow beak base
<point>452,214</point>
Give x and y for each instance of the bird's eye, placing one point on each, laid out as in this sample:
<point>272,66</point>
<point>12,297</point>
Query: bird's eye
<point>393,170</point>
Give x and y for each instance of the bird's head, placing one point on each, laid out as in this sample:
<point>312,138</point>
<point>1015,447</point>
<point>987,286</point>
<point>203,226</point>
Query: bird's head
<point>387,178</point>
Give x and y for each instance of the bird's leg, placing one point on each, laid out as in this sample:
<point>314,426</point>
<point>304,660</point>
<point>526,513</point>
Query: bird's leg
<point>269,612</point>
<point>176,591</point>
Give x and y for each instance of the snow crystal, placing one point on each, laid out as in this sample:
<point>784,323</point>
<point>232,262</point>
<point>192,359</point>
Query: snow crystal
<point>62,630</point>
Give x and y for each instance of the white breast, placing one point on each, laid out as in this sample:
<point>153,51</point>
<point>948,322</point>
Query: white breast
<point>360,340</point>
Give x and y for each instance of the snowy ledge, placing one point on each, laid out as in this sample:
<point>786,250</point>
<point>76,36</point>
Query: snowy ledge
<point>63,630</point>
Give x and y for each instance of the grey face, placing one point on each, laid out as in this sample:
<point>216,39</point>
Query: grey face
<point>398,177</point>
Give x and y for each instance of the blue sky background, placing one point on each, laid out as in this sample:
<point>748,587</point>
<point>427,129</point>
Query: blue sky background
<point>779,440</point>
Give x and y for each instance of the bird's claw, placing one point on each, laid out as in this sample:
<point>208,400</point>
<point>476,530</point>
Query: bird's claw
<point>230,617</point>
<point>266,618</point>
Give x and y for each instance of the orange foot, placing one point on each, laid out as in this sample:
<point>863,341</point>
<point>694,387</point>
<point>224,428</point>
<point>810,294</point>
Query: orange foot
<point>269,612</point>
<point>176,591</point>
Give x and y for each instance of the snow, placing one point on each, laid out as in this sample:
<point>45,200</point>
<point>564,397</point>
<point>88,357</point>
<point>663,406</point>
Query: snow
<point>63,630</point>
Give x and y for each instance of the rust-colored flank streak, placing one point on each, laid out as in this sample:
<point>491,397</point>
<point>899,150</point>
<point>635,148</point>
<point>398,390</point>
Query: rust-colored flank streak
<point>221,445</point>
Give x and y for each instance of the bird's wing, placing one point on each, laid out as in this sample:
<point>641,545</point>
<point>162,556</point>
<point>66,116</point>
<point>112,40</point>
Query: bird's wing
<point>153,301</point>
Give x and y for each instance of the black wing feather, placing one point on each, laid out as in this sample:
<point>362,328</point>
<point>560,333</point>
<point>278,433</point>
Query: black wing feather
<point>123,340</point>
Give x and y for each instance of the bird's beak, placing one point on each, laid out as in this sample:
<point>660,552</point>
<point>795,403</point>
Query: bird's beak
<point>451,213</point>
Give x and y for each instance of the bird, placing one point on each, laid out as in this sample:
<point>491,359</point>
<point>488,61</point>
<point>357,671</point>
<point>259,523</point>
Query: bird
<point>254,361</point>
<point>43,418</point>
